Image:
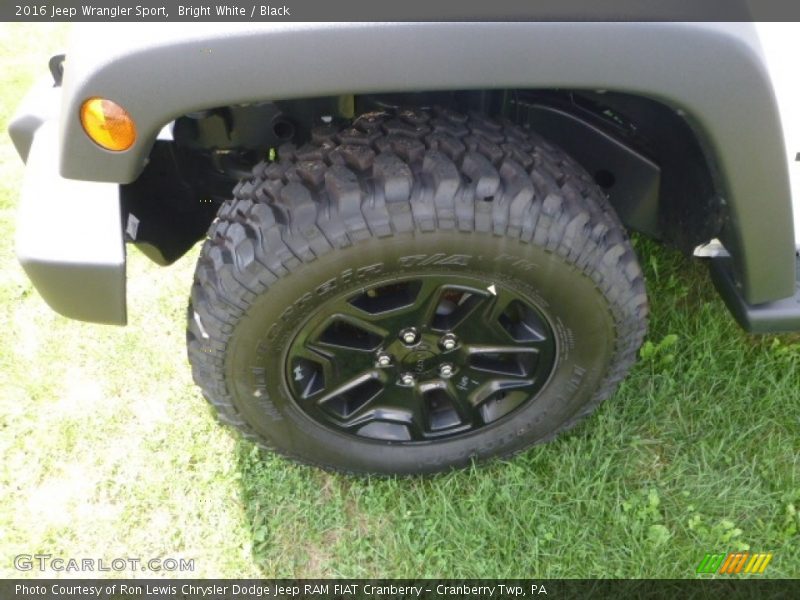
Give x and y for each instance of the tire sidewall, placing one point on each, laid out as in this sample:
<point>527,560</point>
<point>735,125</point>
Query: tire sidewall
<point>578,313</point>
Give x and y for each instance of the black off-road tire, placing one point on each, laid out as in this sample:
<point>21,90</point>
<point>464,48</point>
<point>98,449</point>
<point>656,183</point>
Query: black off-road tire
<point>414,197</point>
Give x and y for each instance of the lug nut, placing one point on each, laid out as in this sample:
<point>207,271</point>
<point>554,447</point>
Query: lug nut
<point>384,360</point>
<point>446,370</point>
<point>407,379</point>
<point>409,336</point>
<point>448,341</point>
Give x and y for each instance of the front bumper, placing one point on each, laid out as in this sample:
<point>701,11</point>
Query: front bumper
<point>780,316</point>
<point>69,233</point>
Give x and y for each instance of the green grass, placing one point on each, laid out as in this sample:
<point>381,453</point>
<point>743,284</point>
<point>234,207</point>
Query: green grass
<point>109,450</point>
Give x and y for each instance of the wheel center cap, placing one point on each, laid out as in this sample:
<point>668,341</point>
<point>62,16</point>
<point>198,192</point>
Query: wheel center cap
<point>419,361</point>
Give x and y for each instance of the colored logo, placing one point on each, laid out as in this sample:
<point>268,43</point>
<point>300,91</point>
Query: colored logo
<point>735,562</point>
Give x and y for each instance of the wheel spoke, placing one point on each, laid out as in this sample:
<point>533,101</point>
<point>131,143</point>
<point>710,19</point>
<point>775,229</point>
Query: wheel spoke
<point>492,386</point>
<point>508,361</point>
<point>453,306</point>
<point>477,349</point>
<point>382,306</point>
<point>313,369</point>
<point>466,411</point>
<point>346,386</point>
<point>344,330</point>
<point>482,327</point>
<point>390,415</point>
<point>417,312</point>
<point>478,331</point>
<point>422,414</point>
<point>376,411</point>
<point>350,397</point>
<point>309,371</point>
<point>346,364</point>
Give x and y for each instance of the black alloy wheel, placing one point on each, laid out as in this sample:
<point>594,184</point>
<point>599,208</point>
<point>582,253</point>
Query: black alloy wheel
<point>420,360</point>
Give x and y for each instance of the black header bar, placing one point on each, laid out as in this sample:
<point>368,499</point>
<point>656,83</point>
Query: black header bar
<point>426,589</point>
<point>399,10</point>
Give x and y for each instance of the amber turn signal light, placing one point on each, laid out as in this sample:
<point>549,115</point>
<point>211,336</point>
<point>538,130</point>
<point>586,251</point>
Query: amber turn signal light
<point>108,124</point>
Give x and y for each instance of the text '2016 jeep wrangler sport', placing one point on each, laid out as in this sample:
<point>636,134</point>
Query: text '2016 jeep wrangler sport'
<point>416,244</point>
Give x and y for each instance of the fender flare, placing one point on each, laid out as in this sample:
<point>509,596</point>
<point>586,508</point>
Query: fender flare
<point>713,73</point>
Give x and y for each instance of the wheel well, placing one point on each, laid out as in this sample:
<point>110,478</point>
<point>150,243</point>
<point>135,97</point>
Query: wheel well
<point>646,156</point>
